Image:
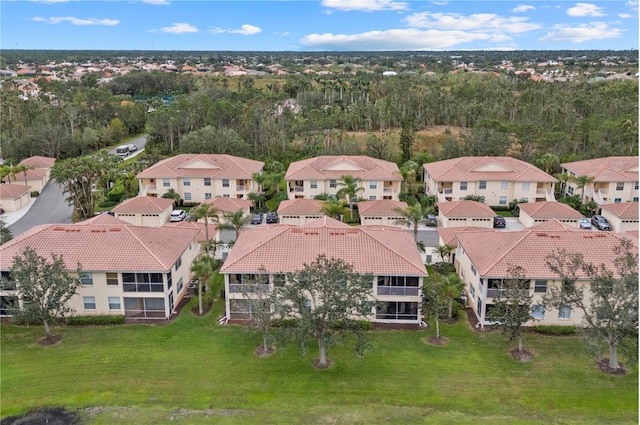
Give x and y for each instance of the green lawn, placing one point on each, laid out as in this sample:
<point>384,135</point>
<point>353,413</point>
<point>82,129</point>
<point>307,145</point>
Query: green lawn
<point>194,371</point>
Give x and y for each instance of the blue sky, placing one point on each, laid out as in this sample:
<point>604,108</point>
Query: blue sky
<point>323,25</point>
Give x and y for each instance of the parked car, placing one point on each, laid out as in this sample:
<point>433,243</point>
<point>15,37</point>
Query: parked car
<point>272,218</point>
<point>585,223</point>
<point>499,222</point>
<point>256,219</point>
<point>431,220</point>
<point>133,148</point>
<point>600,222</point>
<point>178,215</point>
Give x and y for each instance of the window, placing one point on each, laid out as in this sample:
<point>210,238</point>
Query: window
<point>278,280</point>
<point>373,185</point>
<point>112,278</point>
<point>482,184</point>
<point>187,196</point>
<point>394,310</point>
<point>617,200</point>
<point>114,303</point>
<point>635,199</point>
<point>372,197</point>
<point>504,185</point>
<point>225,182</point>
<point>570,190</point>
<point>166,183</point>
<point>226,195</point>
<point>564,312</point>
<point>620,186</point>
<point>636,186</point>
<point>525,185</point>
<point>86,279</point>
<point>207,195</point>
<point>89,303</point>
<point>540,287</point>
<point>473,270</point>
<point>333,183</point>
<point>313,184</point>
<point>186,181</point>
<point>142,282</point>
<point>178,264</point>
<point>537,311</point>
<point>503,200</point>
<point>463,185</point>
<point>207,181</point>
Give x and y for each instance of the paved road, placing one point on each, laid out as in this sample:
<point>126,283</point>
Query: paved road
<point>139,141</point>
<point>48,208</point>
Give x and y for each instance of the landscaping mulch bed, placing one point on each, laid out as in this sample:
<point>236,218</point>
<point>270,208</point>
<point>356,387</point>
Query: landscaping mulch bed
<point>317,365</point>
<point>207,305</point>
<point>45,341</point>
<point>438,342</point>
<point>603,364</point>
<point>521,356</point>
<point>260,351</point>
<point>49,416</point>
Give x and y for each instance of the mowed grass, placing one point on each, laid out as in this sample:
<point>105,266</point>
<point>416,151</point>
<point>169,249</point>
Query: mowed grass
<point>194,371</point>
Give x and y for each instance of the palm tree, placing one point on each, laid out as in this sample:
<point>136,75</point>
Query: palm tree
<point>22,168</point>
<point>581,182</point>
<point>205,211</point>
<point>445,251</point>
<point>453,288</point>
<point>334,207</point>
<point>172,194</point>
<point>203,269</point>
<point>563,178</point>
<point>549,162</point>
<point>349,190</point>
<point>412,216</point>
<point>235,221</point>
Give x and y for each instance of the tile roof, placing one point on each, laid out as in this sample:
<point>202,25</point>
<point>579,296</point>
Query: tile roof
<point>38,161</point>
<point>330,167</point>
<point>143,204</point>
<point>549,209</point>
<point>489,168</point>
<point>448,234</point>
<point>216,166</point>
<point>103,247</point>
<point>465,208</point>
<point>230,204</point>
<point>301,206</point>
<point>608,169</point>
<point>377,250</point>
<point>623,210</point>
<point>103,218</point>
<point>493,253</point>
<point>380,207</point>
<point>10,190</point>
<point>202,233</point>
<point>551,224</point>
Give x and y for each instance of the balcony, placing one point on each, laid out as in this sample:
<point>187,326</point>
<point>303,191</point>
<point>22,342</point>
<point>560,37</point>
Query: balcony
<point>238,288</point>
<point>296,189</point>
<point>404,291</point>
<point>240,187</point>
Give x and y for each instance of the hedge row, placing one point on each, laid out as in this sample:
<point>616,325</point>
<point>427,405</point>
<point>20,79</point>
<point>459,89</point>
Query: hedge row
<point>95,320</point>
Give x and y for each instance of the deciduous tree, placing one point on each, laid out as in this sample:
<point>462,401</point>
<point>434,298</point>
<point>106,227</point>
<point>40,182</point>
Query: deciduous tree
<point>512,305</point>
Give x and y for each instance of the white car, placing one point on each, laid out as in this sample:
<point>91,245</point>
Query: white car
<point>133,148</point>
<point>178,215</point>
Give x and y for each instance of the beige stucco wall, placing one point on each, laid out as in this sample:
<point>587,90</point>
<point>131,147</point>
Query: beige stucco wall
<point>381,190</point>
<point>14,204</point>
<point>298,220</point>
<point>195,190</point>
<point>619,225</point>
<point>465,221</point>
<point>380,221</point>
<point>528,221</point>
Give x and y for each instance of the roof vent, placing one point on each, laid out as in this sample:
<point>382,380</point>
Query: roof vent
<point>114,229</point>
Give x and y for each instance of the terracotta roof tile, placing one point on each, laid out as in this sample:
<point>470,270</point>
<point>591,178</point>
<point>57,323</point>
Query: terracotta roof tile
<point>608,169</point>
<point>549,209</point>
<point>230,204</point>
<point>103,247</point>
<point>39,161</point>
<point>301,206</point>
<point>10,190</point>
<point>490,168</point>
<point>623,210</point>
<point>493,253</point>
<point>448,234</point>
<point>217,166</point>
<point>380,207</point>
<point>330,167</point>
<point>202,233</point>
<point>143,204</point>
<point>282,249</point>
<point>465,208</point>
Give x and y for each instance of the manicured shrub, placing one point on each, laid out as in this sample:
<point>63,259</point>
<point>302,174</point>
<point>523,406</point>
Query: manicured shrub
<point>35,193</point>
<point>555,330</point>
<point>107,204</point>
<point>95,320</point>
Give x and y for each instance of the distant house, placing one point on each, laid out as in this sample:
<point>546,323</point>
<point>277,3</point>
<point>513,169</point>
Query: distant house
<point>229,206</point>
<point>614,179</point>
<point>144,211</point>
<point>38,175</point>
<point>298,212</point>
<point>200,177</point>
<point>538,212</point>
<point>381,212</point>
<point>622,217</point>
<point>14,196</point>
<point>138,271</point>
<point>378,179</point>
<point>465,213</point>
<point>268,253</point>
<point>498,180</point>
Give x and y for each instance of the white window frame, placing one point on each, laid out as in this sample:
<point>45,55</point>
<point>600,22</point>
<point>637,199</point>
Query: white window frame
<point>115,303</point>
<point>502,200</point>
<point>88,301</point>
<point>186,181</point>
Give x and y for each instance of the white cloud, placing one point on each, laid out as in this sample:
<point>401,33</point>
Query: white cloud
<point>633,5</point>
<point>365,5</point>
<point>585,9</point>
<point>625,15</point>
<point>440,3</point>
<point>397,39</point>
<point>582,33</point>
<point>156,2</point>
<point>49,1</point>
<point>76,21</point>
<point>247,29</point>
<point>522,8</point>
<point>475,22</point>
<point>179,28</point>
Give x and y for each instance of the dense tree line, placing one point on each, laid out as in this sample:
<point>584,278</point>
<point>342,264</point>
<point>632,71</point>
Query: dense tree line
<point>298,116</point>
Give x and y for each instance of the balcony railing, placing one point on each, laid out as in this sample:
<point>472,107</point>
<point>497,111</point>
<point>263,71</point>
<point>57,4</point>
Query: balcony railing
<point>399,290</point>
<point>493,293</point>
<point>296,189</point>
<point>387,189</point>
<point>447,191</point>
<point>238,288</point>
<point>240,187</point>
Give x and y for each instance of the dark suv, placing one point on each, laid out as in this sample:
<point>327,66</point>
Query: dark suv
<point>600,222</point>
<point>272,218</point>
<point>499,222</point>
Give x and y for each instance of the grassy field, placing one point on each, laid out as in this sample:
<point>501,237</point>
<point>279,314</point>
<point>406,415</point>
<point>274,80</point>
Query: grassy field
<point>194,371</point>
